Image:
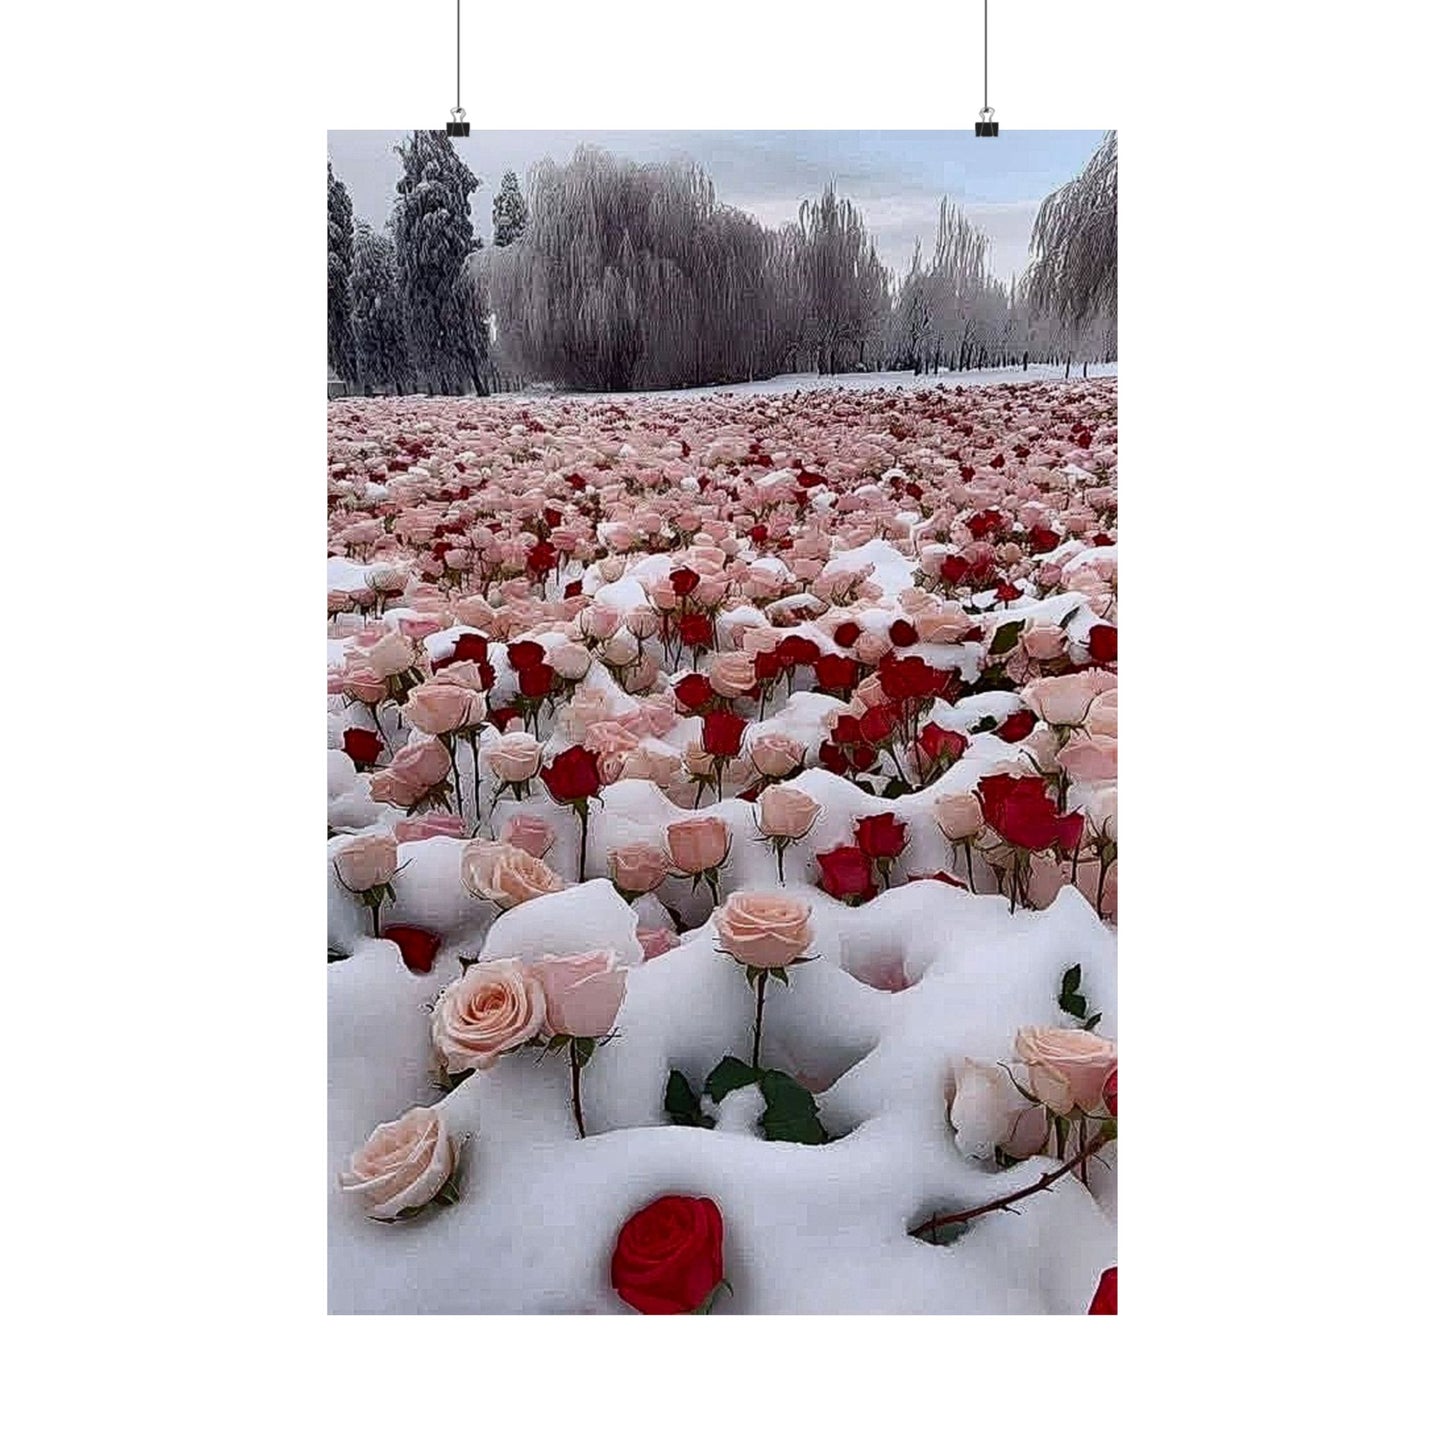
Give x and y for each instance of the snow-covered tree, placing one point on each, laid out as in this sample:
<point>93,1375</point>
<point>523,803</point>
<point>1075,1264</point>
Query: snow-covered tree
<point>845,284</point>
<point>340,345</point>
<point>383,357</point>
<point>509,211</point>
<point>432,225</point>
<point>1073,274</point>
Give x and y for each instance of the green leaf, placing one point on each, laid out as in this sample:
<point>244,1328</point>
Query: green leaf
<point>1074,1003</point>
<point>1072,978</point>
<point>792,1114</point>
<point>731,1074</point>
<point>1092,1020</point>
<point>896,788</point>
<point>682,1105</point>
<point>585,1049</point>
<point>1069,616</point>
<point>1005,639</point>
<point>985,724</point>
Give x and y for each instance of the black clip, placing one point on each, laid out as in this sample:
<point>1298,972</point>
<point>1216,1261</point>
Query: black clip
<point>458,125</point>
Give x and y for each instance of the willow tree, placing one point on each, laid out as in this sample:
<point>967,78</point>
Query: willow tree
<point>845,284</point>
<point>340,343</point>
<point>1073,272</point>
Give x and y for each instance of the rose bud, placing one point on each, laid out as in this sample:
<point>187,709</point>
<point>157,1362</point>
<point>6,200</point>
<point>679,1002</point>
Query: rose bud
<point>881,835</point>
<point>847,873</point>
<point>765,930</point>
<point>697,844</point>
<point>365,862</point>
<point>722,734</point>
<point>786,812</point>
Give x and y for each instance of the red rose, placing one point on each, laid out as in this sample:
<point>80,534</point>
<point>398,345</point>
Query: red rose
<point>693,692</point>
<point>794,651</point>
<point>551,516</point>
<point>1111,1093</point>
<point>541,559</point>
<point>500,717</point>
<point>832,757</point>
<point>847,730</point>
<point>695,629</point>
<point>953,569</point>
<point>902,633</point>
<point>573,776</point>
<point>684,581</point>
<point>877,723</point>
<point>1106,1296</point>
<point>1044,540</point>
<point>1007,592</point>
<point>845,634</point>
<point>669,1257</point>
<point>361,745</point>
<point>1016,726</point>
<point>846,873</point>
<point>906,678</point>
<point>836,673</point>
<point>418,947</point>
<point>523,655</point>
<point>536,682</point>
<point>472,647</point>
<point>1104,642</point>
<point>881,835</point>
<point>766,666</point>
<point>1020,811</point>
<point>940,744</point>
<point>1070,831</point>
<point>722,734</point>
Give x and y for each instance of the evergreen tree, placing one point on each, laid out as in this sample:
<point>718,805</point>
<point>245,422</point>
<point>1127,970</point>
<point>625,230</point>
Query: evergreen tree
<point>340,344</point>
<point>382,355</point>
<point>432,224</point>
<point>509,211</point>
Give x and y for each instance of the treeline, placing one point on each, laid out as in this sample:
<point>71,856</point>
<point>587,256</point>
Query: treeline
<point>614,276</point>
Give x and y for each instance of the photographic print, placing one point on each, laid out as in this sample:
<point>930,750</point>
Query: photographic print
<point>722,631</point>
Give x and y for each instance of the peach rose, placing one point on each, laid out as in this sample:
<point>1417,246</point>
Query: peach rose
<point>786,812</point>
<point>959,816</point>
<point>430,825</point>
<point>491,1008</point>
<point>570,660</point>
<point>638,867</point>
<point>697,844</point>
<point>656,941</point>
<point>583,992</point>
<point>765,930</point>
<point>732,674</point>
<point>1090,760</point>
<point>1043,642</point>
<point>1060,701</point>
<point>515,757</point>
<point>421,765</point>
<point>504,874</point>
<point>403,1164</point>
<point>1067,1067</point>
<point>393,654</point>
<point>530,832</point>
<point>366,862</point>
<point>775,755</point>
<point>438,707</point>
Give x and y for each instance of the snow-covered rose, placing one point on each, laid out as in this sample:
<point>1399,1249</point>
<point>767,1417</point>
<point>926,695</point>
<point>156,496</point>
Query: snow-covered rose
<point>583,992</point>
<point>393,654</point>
<point>491,1008</point>
<point>786,812</point>
<point>402,1164</point>
<point>1067,1067</point>
<point>987,1112</point>
<point>765,930</point>
<point>775,755</point>
<point>366,862</point>
<point>438,707</point>
<point>504,874</point>
<point>959,815</point>
<point>731,674</point>
<point>697,844</point>
<point>515,757</point>
<point>571,660</point>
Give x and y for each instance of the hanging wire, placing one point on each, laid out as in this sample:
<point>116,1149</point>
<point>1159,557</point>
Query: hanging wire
<point>458,124</point>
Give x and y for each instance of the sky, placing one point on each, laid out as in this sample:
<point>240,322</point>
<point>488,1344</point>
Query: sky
<point>895,177</point>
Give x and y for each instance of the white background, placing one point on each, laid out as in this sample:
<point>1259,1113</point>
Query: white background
<point>162,347</point>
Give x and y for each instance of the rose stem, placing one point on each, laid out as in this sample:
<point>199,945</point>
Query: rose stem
<point>476,780</point>
<point>968,857</point>
<point>576,1088</point>
<point>1103,873</point>
<point>376,920</point>
<point>781,879</point>
<point>758,1018</point>
<point>582,846</point>
<point>1044,1182</point>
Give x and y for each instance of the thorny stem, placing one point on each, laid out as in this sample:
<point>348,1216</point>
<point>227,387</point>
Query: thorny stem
<point>1045,1181</point>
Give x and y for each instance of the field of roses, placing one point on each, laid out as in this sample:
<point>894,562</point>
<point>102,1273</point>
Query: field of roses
<point>722,856</point>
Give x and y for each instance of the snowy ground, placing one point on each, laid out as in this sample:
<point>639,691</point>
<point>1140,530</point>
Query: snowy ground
<point>848,381</point>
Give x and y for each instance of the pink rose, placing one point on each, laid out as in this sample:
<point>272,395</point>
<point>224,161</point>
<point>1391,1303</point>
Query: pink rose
<point>1068,1068</point>
<point>697,844</point>
<point>504,874</point>
<point>732,674</point>
<point>583,992</point>
<point>460,674</point>
<point>393,654</point>
<point>365,862</point>
<point>1060,701</point>
<point>959,816</point>
<point>491,1008</point>
<point>599,621</point>
<point>655,941</point>
<point>987,1112</point>
<point>1043,642</point>
<point>638,867</point>
<point>438,707</point>
<point>570,660</point>
<point>786,812</point>
<point>421,765</point>
<point>765,930</point>
<point>402,1164</point>
<point>430,825</point>
<point>775,755</point>
<point>529,832</point>
<point>515,757</point>
<point>1090,760</point>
